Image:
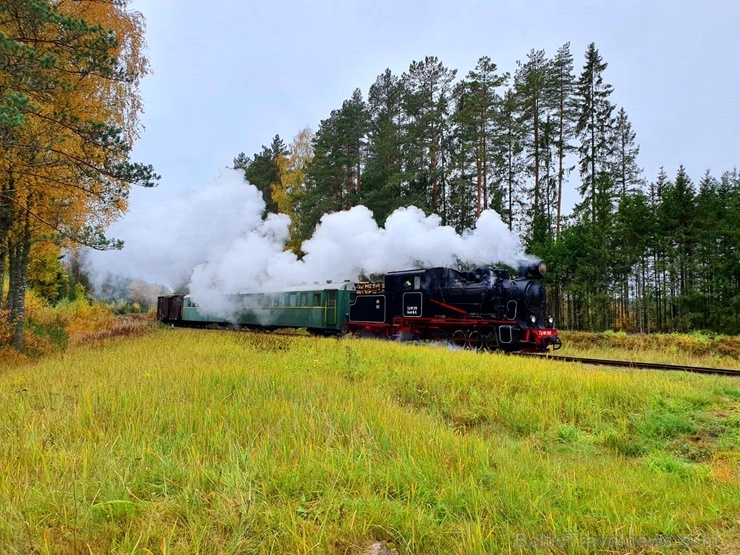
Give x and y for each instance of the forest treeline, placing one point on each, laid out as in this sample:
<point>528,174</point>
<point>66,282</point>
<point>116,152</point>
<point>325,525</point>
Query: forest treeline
<point>69,107</point>
<point>634,254</point>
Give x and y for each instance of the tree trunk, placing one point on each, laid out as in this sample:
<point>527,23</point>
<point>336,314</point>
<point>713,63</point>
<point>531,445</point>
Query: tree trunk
<point>485,170</point>
<point>479,180</point>
<point>536,159</point>
<point>435,183</point>
<point>6,218</point>
<point>561,155</point>
<point>19,259</point>
<point>359,182</point>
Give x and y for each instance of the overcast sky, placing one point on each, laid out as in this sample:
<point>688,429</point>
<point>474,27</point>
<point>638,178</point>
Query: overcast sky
<point>230,74</point>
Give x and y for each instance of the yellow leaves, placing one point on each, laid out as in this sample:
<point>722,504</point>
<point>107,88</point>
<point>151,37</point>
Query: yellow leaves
<point>46,274</point>
<point>280,191</point>
<point>57,163</point>
<point>121,101</point>
<point>288,192</point>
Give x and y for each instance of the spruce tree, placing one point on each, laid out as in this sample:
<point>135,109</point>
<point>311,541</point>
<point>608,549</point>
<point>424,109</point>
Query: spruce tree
<point>627,173</point>
<point>677,220</point>
<point>710,213</point>
<point>262,169</point>
<point>659,247</point>
<point>593,127</point>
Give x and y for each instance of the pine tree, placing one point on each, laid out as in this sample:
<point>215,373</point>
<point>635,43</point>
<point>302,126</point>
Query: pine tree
<point>564,115</point>
<point>334,175</point>
<point>476,102</point>
<point>533,86</point>
<point>427,90</point>
<point>384,168</point>
<point>510,152</point>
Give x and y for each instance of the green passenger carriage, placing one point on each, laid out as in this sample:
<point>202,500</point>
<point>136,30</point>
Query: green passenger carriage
<point>320,308</point>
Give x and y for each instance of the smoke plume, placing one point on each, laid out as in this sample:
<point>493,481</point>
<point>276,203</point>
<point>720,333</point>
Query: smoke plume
<point>216,240</point>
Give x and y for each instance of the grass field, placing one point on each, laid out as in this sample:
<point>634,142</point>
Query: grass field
<point>184,441</point>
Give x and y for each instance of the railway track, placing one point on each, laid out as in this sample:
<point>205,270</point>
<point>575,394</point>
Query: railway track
<point>641,365</point>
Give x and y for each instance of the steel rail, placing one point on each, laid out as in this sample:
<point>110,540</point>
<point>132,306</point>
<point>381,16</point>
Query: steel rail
<point>640,365</point>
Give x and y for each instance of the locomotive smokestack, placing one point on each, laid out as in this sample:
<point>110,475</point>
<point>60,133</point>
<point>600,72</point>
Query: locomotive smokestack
<point>534,270</point>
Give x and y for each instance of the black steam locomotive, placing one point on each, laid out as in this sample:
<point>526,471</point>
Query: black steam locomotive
<point>482,309</point>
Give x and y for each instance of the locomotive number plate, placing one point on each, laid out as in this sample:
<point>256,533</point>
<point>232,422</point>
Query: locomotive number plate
<point>412,304</point>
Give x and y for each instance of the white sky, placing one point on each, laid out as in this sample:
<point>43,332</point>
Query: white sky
<point>230,74</point>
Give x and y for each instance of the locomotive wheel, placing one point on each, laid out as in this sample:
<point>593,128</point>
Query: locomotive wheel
<point>459,338</point>
<point>440,336</point>
<point>490,341</point>
<point>475,341</point>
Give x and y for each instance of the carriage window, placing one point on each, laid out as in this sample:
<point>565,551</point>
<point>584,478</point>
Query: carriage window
<point>317,299</point>
<point>276,301</point>
<point>292,299</point>
<point>417,282</point>
<point>304,299</point>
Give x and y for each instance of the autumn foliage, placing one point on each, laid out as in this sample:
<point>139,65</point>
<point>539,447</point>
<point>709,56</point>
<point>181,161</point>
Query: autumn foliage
<point>69,108</point>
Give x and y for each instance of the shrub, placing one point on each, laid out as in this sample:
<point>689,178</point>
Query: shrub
<point>48,329</point>
<point>83,316</point>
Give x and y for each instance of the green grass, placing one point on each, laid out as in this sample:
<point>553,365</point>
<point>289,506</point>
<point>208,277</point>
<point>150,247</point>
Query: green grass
<point>220,442</point>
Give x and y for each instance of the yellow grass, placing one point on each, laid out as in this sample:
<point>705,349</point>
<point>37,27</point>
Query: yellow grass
<point>186,441</point>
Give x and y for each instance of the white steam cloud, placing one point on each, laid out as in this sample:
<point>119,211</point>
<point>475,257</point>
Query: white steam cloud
<point>216,241</point>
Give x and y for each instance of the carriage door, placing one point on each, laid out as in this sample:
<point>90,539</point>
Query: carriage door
<point>330,308</point>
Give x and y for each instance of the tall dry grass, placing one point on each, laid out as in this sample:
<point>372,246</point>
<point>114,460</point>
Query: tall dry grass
<point>208,442</point>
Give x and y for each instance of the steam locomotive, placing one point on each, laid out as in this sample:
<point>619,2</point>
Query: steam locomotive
<point>482,309</point>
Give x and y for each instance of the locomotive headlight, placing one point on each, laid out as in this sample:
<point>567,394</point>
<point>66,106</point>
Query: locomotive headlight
<point>533,318</point>
<point>550,321</point>
<point>542,268</point>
